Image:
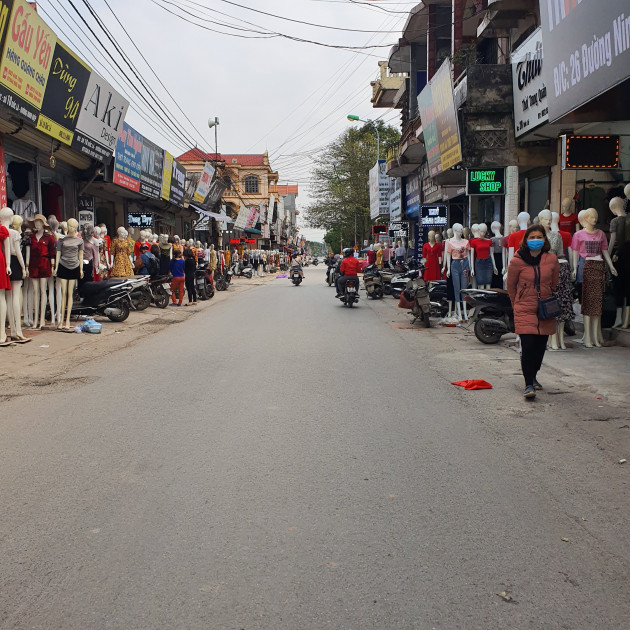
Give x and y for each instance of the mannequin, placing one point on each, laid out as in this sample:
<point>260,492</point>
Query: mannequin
<point>512,228</point>
<point>64,228</point>
<point>90,260</point>
<point>69,269</point>
<point>40,254</point>
<point>497,254</point>
<point>467,233</point>
<point>482,264</point>
<point>108,240</point>
<point>103,253</point>
<point>121,252</point>
<point>431,258</point>
<point>54,288</point>
<point>619,250</point>
<point>5,271</point>
<point>589,246</point>
<point>564,291</point>
<point>379,255</point>
<point>18,273</point>
<point>568,218</point>
<point>457,264</point>
<point>514,240</point>
<point>166,253</point>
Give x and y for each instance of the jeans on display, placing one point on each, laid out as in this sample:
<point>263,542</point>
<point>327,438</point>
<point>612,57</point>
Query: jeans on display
<point>580,270</point>
<point>460,270</point>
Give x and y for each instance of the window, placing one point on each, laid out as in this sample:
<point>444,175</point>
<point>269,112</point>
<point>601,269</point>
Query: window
<point>251,184</point>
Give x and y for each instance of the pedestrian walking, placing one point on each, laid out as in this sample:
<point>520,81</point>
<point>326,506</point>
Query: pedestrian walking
<point>532,276</point>
<point>179,277</point>
<point>190,266</point>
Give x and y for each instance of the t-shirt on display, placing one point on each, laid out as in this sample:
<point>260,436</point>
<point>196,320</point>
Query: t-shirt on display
<point>457,249</point>
<point>481,246</point>
<point>69,248</point>
<point>589,245</point>
<point>515,239</point>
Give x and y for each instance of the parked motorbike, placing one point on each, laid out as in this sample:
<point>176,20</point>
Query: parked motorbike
<point>295,276</point>
<point>109,298</point>
<point>203,281</point>
<point>222,279</point>
<point>350,293</point>
<point>242,270</point>
<point>439,298</point>
<point>141,294</point>
<point>160,289</point>
<point>417,294</point>
<point>372,282</point>
<point>392,270</point>
<point>494,316</point>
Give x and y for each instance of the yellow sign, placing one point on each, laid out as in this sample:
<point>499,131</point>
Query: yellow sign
<point>446,116</point>
<point>26,58</point>
<point>167,174</point>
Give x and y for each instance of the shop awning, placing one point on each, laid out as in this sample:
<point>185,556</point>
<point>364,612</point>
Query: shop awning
<point>252,231</point>
<point>212,215</point>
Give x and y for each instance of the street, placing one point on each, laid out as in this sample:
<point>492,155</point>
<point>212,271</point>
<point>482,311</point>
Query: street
<point>324,474</point>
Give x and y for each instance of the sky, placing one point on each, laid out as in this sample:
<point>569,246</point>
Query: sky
<point>287,97</point>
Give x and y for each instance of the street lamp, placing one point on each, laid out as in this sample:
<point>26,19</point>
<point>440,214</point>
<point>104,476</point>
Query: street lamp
<point>215,123</point>
<point>354,118</point>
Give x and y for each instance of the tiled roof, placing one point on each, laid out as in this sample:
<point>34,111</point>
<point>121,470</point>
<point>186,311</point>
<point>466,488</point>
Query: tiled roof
<point>244,159</point>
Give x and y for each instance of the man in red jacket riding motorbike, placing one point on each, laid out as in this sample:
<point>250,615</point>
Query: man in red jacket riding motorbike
<point>350,268</point>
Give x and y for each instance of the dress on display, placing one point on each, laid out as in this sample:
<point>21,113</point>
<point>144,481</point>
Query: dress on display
<point>5,279</point>
<point>121,250</point>
<point>43,250</point>
<point>432,264</point>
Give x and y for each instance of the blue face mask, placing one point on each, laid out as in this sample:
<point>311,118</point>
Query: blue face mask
<point>535,244</point>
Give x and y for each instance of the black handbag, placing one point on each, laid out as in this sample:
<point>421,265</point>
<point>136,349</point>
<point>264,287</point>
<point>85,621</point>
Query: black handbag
<point>549,308</point>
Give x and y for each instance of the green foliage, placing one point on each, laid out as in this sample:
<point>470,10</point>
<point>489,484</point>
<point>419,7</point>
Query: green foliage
<point>341,184</point>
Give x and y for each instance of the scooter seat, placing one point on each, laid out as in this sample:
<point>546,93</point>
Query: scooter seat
<point>90,288</point>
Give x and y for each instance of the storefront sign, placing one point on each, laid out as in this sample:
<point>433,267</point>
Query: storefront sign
<point>379,190</point>
<point>178,184</point>
<point>528,85</point>
<point>488,181</point>
<point>395,198</point>
<point>433,216</point>
<point>446,116</point>
<point>590,152</point>
<point>100,120</point>
<point>128,163</point>
<point>140,219</point>
<point>151,169</point>
<point>379,229</point>
<point>3,177</point>
<point>399,229</point>
<point>86,210</point>
<point>26,60</point>
<point>203,187</point>
<point>65,91</point>
<point>587,50</point>
<point>167,176</point>
<point>412,196</point>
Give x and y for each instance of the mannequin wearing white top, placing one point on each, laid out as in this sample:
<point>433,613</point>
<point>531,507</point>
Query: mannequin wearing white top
<point>457,241</point>
<point>523,220</point>
<point>617,206</point>
<point>592,325</point>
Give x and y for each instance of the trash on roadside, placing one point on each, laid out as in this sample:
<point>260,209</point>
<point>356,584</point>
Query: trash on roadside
<point>90,325</point>
<point>282,275</point>
<point>474,383</point>
<point>44,346</point>
<point>564,539</point>
<point>78,329</point>
<point>623,461</point>
<point>505,597</point>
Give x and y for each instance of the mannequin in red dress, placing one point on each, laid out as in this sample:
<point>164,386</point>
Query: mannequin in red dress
<point>5,273</point>
<point>431,258</point>
<point>40,252</point>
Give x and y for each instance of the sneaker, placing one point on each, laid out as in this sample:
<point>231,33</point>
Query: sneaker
<point>537,385</point>
<point>339,295</point>
<point>529,392</point>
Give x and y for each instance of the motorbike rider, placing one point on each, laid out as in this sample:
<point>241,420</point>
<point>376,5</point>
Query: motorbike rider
<point>329,261</point>
<point>296,263</point>
<point>350,267</point>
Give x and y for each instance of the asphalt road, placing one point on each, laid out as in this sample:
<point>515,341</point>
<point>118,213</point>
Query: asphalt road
<point>281,462</point>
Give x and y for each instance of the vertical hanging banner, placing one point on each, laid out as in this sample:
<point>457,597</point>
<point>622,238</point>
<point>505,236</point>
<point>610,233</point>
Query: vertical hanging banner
<point>128,165</point>
<point>167,176</point>
<point>26,59</point>
<point>100,120</point>
<point>3,177</point>
<point>65,90</point>
<point>178,184</point>
<point>151,169</point>
<point>203,188</point>
<point>446,116</point>
<point>429,129</point>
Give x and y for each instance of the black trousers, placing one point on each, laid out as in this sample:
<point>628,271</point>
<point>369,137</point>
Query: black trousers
<point>532,352</point>
<point>190,287</point>
<point>342,281</point>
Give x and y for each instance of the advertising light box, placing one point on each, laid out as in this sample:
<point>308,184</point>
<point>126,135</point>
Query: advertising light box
<point>485,181</point>
<point>590,152</point>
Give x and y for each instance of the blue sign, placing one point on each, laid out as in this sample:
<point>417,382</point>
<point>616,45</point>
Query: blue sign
<point>412,196</point>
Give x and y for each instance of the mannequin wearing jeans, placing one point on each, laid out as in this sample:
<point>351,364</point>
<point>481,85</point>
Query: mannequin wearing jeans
<point>457,265</point>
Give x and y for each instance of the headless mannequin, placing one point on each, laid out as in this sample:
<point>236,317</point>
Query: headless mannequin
<point>459,242</point>
<point>67,286</point>
<point>482,230</point>
<point>618,207</point>
<point>523,220</point>
<point>512,227</point>
<point>6,215</point>
<point>39,285</point>
<point>14,299</point>
<point>592,325</point>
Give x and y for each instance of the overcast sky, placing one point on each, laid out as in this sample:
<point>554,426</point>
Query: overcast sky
<point>275,94</point>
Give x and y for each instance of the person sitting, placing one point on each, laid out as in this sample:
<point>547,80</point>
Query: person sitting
<point>350,268</point>
<point>296,263</point>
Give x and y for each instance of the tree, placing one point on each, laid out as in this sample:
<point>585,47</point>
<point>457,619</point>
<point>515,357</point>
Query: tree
<point>341,184</point>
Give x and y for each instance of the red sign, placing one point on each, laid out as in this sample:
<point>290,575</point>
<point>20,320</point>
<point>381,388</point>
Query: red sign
<point>379,229</point>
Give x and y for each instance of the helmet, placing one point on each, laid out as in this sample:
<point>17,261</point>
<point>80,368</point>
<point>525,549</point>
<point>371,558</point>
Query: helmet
<point>348,251</point>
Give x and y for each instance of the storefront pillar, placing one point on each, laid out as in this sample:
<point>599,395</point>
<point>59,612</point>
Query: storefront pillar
<point>511,193</point>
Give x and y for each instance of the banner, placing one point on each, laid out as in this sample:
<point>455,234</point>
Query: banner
<point>587,50</point>
<point>241,219</point>
<point>429,129</point>
<point>128,165</point>
<point>412,196</point>
<point>178,184</point>
<point>167,176</point>
<point>86,211</point>
<point>528,85</point>
<point>252,217</point>
<point>151,168</point>
<point>395,198</point>
<point>3,177</point>
<point>100,120</point>
<point>67,83</point>
<point>26,60</point>
<point>379,190</point>
<point>446,116</point>
<point>203,188</point>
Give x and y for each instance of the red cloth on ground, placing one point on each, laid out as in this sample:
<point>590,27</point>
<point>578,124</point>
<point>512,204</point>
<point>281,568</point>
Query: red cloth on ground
<point>473,384</point>
<point>432,264</point>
